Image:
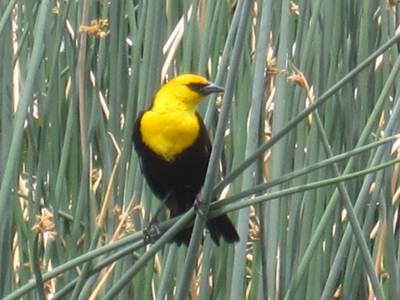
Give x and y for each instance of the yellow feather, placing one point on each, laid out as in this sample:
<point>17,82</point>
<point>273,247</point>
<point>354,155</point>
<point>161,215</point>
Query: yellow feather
<point>171,125</point>
<point>169,133</point>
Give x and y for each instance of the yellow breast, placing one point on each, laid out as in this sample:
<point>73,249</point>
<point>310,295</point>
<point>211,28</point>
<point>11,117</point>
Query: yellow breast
<point>169,133</point>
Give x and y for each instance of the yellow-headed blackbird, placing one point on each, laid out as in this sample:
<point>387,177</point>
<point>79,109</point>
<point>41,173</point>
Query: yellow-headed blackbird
<point>174,148</point>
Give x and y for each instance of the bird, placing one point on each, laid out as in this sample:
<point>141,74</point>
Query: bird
<point>173,147</point>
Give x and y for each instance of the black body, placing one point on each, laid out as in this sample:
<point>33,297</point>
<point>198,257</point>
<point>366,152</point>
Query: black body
<point>181,179</point>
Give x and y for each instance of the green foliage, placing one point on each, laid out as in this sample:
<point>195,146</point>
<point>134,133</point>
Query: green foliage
<point>304,154</point>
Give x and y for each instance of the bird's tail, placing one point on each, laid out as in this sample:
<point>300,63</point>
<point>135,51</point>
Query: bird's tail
<point>222,226</point>
<point>219,227</point>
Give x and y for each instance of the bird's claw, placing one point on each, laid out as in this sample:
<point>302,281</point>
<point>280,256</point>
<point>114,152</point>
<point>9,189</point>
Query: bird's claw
<point>151,233</point>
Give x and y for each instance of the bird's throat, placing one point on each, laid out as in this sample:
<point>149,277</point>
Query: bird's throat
<point>169,133</point>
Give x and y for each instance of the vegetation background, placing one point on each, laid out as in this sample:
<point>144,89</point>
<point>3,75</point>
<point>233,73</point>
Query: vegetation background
<point>304,154</point>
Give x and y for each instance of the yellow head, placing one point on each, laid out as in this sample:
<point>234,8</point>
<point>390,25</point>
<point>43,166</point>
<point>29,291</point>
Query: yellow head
<point>184,92</point>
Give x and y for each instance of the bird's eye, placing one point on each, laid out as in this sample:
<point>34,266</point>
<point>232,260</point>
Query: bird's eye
<point>197,87</point>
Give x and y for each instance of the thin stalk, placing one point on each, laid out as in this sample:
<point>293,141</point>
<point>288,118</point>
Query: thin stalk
<point>206,193</point>
<point>318,102</point>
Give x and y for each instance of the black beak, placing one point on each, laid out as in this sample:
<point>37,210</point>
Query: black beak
<point>206,89</point>
<point>212,88</point>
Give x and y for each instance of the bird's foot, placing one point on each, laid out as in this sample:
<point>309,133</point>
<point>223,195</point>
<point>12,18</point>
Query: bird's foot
<point>200,206</point>
<point>151,233</point>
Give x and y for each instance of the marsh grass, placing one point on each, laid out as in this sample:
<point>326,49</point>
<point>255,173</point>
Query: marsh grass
<point>305,148</point>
